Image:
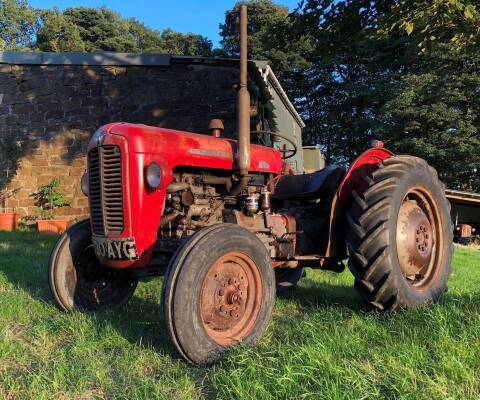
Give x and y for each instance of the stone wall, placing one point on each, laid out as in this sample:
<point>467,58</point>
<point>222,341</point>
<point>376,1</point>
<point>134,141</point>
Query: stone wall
<point>48,112</point>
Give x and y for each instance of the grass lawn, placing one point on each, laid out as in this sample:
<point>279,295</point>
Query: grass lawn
<point>322,343</point>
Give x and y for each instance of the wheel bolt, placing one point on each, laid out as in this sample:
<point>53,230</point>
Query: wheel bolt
<point>221,292</point>
<point>222,308</point>
<point>230,281</point>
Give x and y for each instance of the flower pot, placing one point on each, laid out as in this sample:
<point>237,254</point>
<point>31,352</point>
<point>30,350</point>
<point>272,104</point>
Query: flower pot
<point>8,221</point>
<point>52,226</point>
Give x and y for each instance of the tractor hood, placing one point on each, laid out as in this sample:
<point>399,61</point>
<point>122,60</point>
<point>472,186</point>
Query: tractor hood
<point>177,148</point>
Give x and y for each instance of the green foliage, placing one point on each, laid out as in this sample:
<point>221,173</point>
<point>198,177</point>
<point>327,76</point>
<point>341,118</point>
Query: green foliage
<point>18,25</point>
<point>272,35</point>
<point>24,28</point>
<point>101,29</point>
<point>188,44</point>
<point>456,22</point>
<point>58,33</point>
<point>435,115</point>
<point>407,72</point>
<point>49,197</point>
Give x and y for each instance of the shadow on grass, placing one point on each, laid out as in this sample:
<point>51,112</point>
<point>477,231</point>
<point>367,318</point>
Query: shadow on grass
<point>24,264</point>
<point>314,294</point>
<point>24,260</point>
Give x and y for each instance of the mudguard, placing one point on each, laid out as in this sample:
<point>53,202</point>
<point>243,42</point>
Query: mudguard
<point>354,180</point>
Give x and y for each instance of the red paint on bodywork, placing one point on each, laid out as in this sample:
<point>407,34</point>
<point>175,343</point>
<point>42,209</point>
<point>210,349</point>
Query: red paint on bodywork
<point>354,180</point>
<point>363,166</point>
<point>140,145</point>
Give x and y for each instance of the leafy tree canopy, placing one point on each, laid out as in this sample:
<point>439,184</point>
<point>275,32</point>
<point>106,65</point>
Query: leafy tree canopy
<point>272,35</point>
<point>18,25</point>
<point>24,28</point>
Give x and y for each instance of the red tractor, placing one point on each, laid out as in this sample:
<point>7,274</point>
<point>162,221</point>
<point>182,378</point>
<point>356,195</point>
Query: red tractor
<point>225,224</point>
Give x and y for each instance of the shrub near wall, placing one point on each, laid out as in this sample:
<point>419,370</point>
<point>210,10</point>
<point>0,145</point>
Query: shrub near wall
<point>48,112</point>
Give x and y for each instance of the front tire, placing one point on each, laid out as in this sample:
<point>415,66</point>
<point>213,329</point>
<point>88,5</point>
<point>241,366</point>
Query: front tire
<point>400,235</point>
<point>219,290</point>
<point>78,280</point>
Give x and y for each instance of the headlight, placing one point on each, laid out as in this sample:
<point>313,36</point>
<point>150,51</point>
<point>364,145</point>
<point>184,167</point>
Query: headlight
<point>84,184</point>
<point>98,137</point>
<point>153,175</point>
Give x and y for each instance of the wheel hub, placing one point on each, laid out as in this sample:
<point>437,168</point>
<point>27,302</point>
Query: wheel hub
<point>230,298</point>
<point>414,239</point>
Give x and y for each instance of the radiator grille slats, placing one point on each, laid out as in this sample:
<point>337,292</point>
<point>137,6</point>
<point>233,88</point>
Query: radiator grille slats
<point>106,191</point>
<point>94,191</point>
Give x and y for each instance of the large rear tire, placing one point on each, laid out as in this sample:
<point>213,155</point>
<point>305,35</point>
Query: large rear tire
<point>219,290</point>
<point>400,235</point>
<point>78,280</point>
<point>287,278</point>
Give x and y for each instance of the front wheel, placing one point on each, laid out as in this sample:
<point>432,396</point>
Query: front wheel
<point>400,235</point>
<point>219,290</point>
<point>78,280</point>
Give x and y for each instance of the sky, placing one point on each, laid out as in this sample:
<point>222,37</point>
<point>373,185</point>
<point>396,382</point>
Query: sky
<point>198,16</point>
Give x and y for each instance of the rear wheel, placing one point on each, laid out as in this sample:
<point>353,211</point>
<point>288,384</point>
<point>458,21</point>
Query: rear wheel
<point>78,280</point>
<point>400,235</point>
<point>219,290</point>
<point>287,278</point>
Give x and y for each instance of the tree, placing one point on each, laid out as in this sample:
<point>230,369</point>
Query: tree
<point>101,29</point>
<point>189,44</point>
<point>456,22</point>
<point>58,33</point>
<point>434,118</point>
<point>146,40</point>
<point>94,29</point>
<point>373,76</point>
<point>434,113</point>
<point>272,36</point>
<point>18,25</point>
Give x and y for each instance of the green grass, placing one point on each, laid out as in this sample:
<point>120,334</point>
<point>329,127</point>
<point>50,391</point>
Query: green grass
<point>322,343</point>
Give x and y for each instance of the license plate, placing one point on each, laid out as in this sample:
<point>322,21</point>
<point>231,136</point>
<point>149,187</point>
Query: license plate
<point>115,249</point>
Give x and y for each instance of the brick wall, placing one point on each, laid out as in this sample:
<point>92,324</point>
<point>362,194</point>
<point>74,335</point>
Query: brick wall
<point>48,112</point>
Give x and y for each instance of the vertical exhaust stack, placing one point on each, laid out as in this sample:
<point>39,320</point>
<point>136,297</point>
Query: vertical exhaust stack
<point>243,108</point>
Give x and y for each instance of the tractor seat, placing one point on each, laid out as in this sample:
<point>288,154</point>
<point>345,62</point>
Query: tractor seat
<point>309,186</point>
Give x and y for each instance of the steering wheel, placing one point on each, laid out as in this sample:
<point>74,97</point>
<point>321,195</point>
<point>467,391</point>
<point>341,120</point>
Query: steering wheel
<point>286,153</point>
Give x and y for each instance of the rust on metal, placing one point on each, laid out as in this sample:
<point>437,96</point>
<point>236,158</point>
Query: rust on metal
<point>243,108</point>
<point>216,127</point>
<point>419,237</point>
<point>231,298</point>
<point>465,230</point>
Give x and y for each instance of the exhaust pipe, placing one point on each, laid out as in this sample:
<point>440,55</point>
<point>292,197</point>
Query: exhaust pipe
<point>243,109</point>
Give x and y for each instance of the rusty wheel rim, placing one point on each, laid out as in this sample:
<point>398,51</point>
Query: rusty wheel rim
<point>419,238</point>
<point>95,286</point>
<point>230,298</point>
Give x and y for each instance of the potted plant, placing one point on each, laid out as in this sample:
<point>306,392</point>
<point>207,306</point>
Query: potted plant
<point>8,220</point>
<point>49,198</point>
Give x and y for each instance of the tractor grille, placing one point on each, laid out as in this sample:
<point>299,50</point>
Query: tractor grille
<point>106,190</point>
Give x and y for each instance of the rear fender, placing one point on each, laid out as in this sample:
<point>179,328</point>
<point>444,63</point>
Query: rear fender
<point>354,180</point>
